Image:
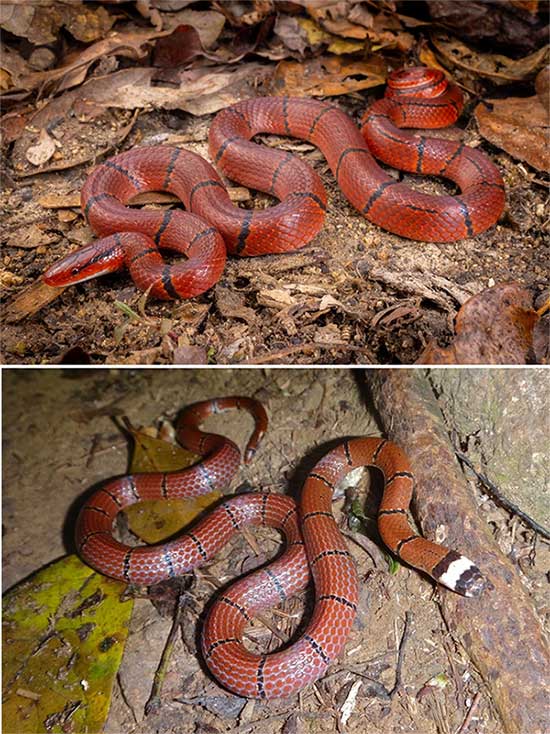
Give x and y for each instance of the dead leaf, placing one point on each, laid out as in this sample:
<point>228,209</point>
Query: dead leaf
<point>129,45</point>
<point>12,125</point>
<point>13,65</point>
<point>200,91</point>
<point>299,34</point>
<point>40,22</point>
<point>207,23</point>
<point>542,86</point>
<point>191,314</point>
<point>369,31</point>
<point>493,327</point>
<point>328,302</point>
<point>327,76</point>
<point>42,151</point>
<point>32,236</point>
<point>496,67</point>
<point>231,305</point>
<point>518,125</point>
<point>60,201</point>
<point>275,298</point>
<point>239,14</point>
<point>396,312</point>
<point>329,334</point>
<point>179,48</point>
<point>66,215</point>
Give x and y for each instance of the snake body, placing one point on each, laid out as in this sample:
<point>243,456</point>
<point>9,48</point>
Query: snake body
<point>314,545</point>
<point>213,224</point>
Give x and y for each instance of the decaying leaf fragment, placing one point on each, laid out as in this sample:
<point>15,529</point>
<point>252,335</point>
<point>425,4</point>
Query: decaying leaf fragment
<point>493,327</point>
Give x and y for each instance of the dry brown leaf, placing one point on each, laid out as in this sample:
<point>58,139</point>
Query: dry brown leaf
<point>31,236</point>
<point>518,125</point>
<point>542,86</point>
<point>128,45</point>
<point>59,201</point>
<point>42,150</point>
<point>490,24</point>
<point>327,76</point>
<point>13,65</point>
<point>493,327</point>
<point>231,305</point>
<point>189,355</point>
<point>207,23</point>
<point>395,312</point>
<point>275,298</point>
<point>500,69</point>
<point>191,314</point>
<point>245,14</point>
<point>299,34</point>
<point>12,125</point>
<point>200,91</point>
<point>40,21</point>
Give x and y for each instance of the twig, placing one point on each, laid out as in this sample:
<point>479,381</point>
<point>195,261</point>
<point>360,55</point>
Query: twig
<point>469,715</point>
<point>154,702</point>
<point>401,654</point>
<point>497,495</point>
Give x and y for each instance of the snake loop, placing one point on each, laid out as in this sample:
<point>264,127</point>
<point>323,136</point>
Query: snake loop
<point>314,545</point>
<point>212,225</point>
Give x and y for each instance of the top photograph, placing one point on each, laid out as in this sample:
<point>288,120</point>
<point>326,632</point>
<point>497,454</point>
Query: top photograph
<point>308,182</point>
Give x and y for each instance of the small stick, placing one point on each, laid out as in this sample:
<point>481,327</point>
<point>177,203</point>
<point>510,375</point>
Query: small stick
<point>154,702</point>
<point>401,654</point>
<point>469,715</point>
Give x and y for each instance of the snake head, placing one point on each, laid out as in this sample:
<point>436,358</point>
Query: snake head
<point>101,257</point>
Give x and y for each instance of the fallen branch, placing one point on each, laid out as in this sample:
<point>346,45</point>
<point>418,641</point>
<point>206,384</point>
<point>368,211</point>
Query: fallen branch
<point>500,630</point>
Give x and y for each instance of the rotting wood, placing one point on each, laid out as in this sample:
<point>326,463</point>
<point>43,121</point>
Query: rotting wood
<point>500,631</point>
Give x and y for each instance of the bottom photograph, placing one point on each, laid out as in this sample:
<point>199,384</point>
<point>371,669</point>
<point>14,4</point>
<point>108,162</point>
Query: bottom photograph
<point>275,550</point>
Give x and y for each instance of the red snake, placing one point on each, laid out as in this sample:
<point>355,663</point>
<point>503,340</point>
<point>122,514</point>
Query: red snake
<point>416,97</point>
<point>313,544</point>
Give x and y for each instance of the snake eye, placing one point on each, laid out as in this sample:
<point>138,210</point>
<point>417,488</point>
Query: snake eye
<point>75,271</point>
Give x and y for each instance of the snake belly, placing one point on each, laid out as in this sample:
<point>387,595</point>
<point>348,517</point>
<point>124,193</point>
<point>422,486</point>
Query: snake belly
<point>314,548</point>
<point>213,225</point>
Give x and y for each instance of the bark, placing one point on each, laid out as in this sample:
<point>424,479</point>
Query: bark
<point>500,631</point>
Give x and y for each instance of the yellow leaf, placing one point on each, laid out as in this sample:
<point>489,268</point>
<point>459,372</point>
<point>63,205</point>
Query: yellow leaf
<point>63,634</point>
<point>340,46</point>
<point>315,34</point>
<point>155,455</point>
<point>156,520</point>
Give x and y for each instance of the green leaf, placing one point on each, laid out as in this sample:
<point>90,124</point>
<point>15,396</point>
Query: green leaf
<point>127,311</point>
<point>63,634</point>
<point>393,565</point>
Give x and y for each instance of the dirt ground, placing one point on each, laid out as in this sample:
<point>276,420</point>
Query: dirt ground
<point>307,410</point>
<point>354,295</point>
